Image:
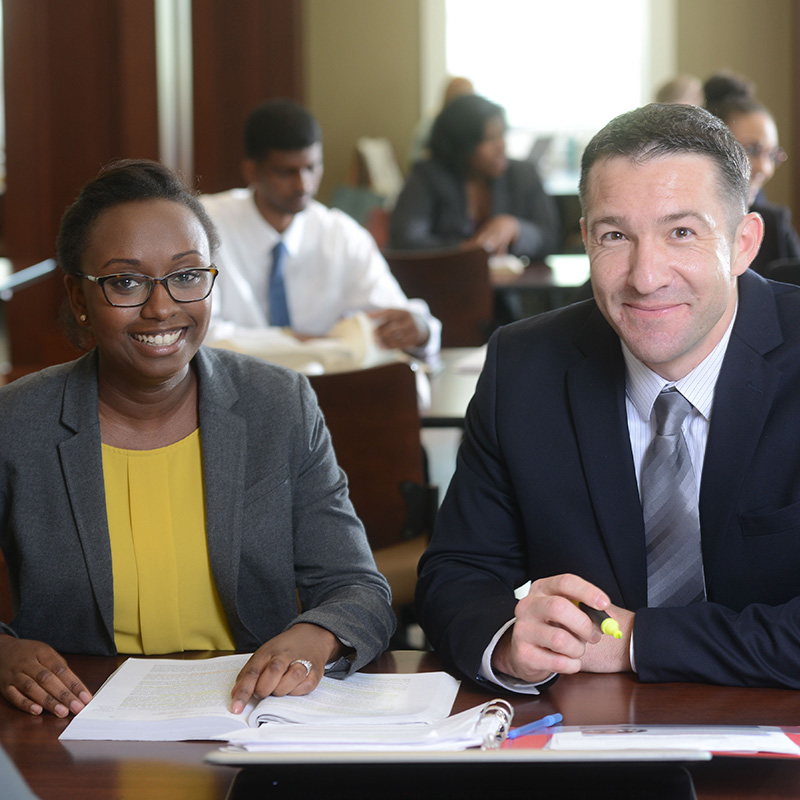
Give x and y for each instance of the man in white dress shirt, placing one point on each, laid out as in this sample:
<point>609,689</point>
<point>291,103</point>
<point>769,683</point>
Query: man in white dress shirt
<point>330,265</point>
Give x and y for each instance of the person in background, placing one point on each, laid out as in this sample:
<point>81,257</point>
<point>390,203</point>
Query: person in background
<point>470,194</point>
<point>733,100</point>
<point>635,452</point>
<point>288,262</point>
<point>686,89</point>
<point>157,495</point>
<point>418,149</point>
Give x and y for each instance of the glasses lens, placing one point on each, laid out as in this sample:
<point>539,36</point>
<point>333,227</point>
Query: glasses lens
<point>190,285</point>
<point>126,290</point>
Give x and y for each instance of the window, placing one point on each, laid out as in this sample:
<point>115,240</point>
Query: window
<point>561,70</point>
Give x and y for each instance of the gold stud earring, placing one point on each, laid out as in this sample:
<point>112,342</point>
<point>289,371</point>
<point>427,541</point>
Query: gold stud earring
<point>82,317</point>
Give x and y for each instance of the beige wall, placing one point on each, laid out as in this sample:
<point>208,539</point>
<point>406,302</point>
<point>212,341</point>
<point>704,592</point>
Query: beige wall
<point>754,38</point>
<point>362,75</point>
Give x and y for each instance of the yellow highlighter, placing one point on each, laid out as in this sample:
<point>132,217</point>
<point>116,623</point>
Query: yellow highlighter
<point>606,624</point>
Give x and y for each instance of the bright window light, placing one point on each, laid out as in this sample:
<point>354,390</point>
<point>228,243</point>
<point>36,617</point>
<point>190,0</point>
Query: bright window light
<point>563,68</point>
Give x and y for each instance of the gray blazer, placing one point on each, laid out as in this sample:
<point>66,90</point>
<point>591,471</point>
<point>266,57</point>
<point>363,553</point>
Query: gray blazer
<point>278,516</point>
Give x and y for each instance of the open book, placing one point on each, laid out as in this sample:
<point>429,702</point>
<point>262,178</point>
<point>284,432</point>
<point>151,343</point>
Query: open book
<point>172,700</point>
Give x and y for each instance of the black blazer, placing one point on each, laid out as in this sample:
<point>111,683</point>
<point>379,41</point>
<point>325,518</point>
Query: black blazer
<point>545,484</point>
<point>431,211</point>
<point>780,238</point>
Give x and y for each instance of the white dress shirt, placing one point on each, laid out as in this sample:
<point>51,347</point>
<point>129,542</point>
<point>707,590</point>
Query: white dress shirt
<point>333,268</point>
<point>642,386</point>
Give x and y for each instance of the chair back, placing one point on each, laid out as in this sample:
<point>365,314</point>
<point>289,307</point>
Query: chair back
<point>374,422</point>
<point>456,286</point>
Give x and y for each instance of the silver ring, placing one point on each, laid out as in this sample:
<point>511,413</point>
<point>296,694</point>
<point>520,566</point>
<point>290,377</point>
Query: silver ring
<point>307,664</point>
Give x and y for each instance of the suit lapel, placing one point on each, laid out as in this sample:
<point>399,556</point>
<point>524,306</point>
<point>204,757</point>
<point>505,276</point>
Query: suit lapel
<point>82,463</point>
<point>596,387</point>
<point>224,441</point>
<point>742,401</point>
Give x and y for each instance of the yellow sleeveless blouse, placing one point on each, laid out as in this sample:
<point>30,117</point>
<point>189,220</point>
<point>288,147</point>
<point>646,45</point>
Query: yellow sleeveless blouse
<point>165,600</point>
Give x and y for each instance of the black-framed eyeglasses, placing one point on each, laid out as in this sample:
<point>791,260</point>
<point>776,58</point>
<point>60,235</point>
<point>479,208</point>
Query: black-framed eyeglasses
<point>777,155</point>
<point>129,289</point>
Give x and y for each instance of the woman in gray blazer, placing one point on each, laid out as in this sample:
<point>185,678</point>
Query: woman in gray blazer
<point>157,495</point>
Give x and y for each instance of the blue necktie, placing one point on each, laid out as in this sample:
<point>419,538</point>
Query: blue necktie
<point>278,308</point>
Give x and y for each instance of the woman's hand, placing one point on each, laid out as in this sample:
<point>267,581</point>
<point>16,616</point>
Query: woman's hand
<point>34,678</point>
<point>274,667</point>
<point>496,235</point>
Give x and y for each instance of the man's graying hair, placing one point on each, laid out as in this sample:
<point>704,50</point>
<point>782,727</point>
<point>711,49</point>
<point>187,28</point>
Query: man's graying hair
<point>656,130</point>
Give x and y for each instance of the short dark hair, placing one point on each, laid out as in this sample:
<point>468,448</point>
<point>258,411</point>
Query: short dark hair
<point>728,96</point>
<point>279,125</point>
<point>659,130</point>
<point>460,128</point>
<point>123,181</point>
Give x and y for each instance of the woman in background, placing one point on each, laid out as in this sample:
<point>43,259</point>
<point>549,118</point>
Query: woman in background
<point>732,99</point>
<point>157,495</point>
<point>469,194</point>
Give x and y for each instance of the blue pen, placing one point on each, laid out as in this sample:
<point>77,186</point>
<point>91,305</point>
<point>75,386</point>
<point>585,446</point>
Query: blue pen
<point>544,722</point>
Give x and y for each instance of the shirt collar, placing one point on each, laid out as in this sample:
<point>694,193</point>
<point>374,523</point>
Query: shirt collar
<point>292,237</point>
<point>642,385</point>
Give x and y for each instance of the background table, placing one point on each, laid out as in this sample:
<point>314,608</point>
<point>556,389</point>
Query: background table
<point>156,771</point>
<point>543,285</point>
<point>451,387</point>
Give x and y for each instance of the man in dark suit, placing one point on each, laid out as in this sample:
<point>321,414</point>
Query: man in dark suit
<point>549,483</point>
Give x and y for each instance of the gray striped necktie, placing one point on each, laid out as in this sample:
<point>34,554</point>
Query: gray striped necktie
<point>669,504</point>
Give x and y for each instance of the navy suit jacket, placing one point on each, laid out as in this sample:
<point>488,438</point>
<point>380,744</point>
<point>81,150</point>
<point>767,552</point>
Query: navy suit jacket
<point>545,484</point>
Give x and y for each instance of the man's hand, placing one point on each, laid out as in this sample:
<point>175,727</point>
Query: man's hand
<point>552,635</point>
<point>496,235</point>
<point>34,678</point>
<point>398,329</point>
<point>272,669</point>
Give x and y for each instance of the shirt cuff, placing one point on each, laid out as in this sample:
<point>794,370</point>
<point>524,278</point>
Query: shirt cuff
<point>508,682</point>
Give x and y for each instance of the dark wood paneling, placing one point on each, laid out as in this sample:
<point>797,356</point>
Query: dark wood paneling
<point>80,83</point>
<point>244,52</point>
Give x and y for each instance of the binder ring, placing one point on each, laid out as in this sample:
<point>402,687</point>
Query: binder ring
<point>503,712</point>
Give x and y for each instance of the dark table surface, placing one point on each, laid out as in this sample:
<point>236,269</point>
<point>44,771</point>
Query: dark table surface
<point>156,771</point>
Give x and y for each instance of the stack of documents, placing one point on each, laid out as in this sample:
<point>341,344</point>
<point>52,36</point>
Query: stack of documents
<point>172,700</point>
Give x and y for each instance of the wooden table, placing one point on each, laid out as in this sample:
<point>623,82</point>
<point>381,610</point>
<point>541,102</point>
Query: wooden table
<point>156,771</point>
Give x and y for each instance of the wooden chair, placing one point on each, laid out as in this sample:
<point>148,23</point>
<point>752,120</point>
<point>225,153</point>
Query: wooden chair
<point>456,286</point>
<point>373,418</point>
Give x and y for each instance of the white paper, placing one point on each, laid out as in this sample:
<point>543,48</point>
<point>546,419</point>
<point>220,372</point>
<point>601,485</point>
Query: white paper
<point>714,738</point>
<point>468,729</point>
<point>421,697</point>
